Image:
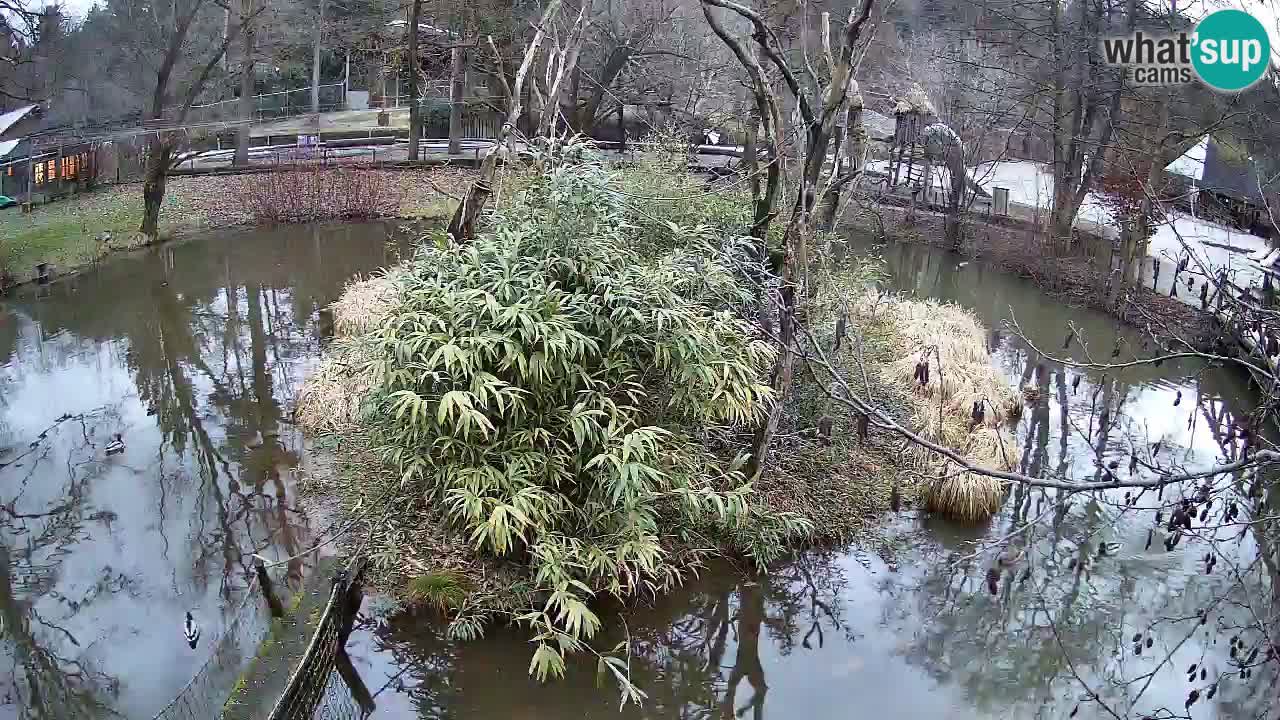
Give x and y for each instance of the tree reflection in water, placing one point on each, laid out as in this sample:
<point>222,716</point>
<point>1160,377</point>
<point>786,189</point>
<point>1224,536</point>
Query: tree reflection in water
<point>699,653</point>
<point>192,351</point>
<point>1099,573</point>
<point>1076,578</point>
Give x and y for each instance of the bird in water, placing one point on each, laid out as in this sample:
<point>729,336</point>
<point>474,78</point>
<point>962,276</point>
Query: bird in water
<point>116,445</point>
<point>191,631</point>
<point>962,264</point>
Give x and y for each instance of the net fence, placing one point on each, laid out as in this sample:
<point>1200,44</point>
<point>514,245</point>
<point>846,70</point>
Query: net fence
<point>203,696</point>
<point>336,703</point>
<point>268,106</point>
<point>324,684</point>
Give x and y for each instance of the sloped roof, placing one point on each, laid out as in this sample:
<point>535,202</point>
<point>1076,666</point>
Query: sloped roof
<point>1215,167</point>
<point>1191,164</point>
<point>1226,174</point>
<point>11,118</point>
<point>915,101</point>
<point>7,147</point>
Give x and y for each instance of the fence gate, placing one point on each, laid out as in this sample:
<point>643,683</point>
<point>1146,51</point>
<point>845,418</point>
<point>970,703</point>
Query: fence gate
<point>325,685</point>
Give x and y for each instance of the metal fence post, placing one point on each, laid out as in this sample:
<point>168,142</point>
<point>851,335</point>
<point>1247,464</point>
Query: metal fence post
<point>264,581</point>
<point>350,605</point>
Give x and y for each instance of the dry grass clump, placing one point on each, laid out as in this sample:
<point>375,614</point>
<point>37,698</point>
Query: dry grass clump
<point>966,497</point>
<point>332,398</point>
<point>954,343</point>
<point>364,305</point>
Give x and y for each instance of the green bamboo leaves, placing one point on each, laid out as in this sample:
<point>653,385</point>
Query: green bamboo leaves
<point>545,388</point>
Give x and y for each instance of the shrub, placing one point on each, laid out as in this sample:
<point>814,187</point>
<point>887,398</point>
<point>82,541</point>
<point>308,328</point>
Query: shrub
<point>660,191</point>
<point>546,387</point>
<point>319,193</point>
<point>442,591</point>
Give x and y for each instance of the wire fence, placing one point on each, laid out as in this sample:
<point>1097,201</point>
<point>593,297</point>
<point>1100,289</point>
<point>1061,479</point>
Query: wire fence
<point>325,685</point>
<point>268,106</point>
<point>204,695</point>
<point>337,702</point>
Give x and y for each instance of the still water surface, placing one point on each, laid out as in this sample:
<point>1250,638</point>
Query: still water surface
<point>194,352</point>
<point>848,633</point>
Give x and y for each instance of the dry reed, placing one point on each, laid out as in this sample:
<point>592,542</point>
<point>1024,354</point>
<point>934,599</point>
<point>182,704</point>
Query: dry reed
<point>332,398</point>
<point>954,343</point>
<point>364,305</point>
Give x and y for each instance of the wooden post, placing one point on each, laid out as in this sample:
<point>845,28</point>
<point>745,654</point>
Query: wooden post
<point>264,581</point>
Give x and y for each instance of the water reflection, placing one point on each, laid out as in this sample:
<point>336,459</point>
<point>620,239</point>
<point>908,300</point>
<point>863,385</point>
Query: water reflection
<point>192,353</point>
<point>841,634</point>
<point>1085,576</point>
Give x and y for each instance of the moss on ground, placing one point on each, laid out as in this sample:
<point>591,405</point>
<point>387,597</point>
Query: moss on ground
<point>265,677</point>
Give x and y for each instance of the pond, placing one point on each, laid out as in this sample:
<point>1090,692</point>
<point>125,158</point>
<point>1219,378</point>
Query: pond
<point>916,632</point>
<point>192,353</point>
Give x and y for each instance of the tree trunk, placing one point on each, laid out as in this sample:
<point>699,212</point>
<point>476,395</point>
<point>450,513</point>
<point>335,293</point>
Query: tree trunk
<point>315,62</point>
<point>153,186</point>
<point>563,62</point>
<point>415,114</point>
<point>617,61</point>
<point>246,85</point>
<point>462,226</point>
<point>457,85</point>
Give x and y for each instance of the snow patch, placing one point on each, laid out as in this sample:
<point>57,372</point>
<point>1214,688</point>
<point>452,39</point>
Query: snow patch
<point>1031,184</point>
<point>1191,163</point>
<point>7,120</point>
<point>1213,247</point>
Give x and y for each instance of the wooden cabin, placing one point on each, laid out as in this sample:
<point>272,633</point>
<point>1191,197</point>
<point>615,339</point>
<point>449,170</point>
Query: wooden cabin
<point>39,164</point>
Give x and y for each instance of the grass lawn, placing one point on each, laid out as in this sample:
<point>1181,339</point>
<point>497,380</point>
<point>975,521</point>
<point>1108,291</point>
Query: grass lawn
<point>65,233</point>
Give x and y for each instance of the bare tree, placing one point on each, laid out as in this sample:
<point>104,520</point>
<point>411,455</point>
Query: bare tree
<point>246,109</point>
<point>182,47</point>
<point>315,59</point>
<point>462,226</point>
<point>415,109</point>
<point>818,120</point>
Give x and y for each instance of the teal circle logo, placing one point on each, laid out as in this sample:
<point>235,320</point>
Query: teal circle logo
<point>1231,50</point>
